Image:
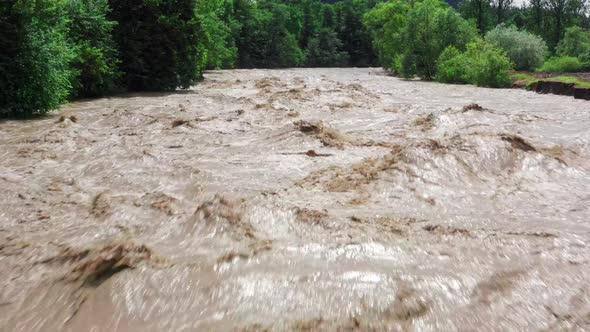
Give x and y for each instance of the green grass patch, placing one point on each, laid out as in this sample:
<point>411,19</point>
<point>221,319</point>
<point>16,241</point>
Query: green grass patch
<point>528,80</point>
<point>570,79</point>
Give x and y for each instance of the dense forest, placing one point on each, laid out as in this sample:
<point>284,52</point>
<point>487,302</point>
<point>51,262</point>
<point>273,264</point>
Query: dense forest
<point>59,50</point>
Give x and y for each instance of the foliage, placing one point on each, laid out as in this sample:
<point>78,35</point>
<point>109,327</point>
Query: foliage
<point>487,65</point>
<point>96,58</point>
<point>576,42</point>
<point>526,50</point>
<point>452,66</point>
<point>325,50</point>
<point>217,35</point>
<point>562,64</point>
<point>349,26</point>
<point>432,27</point>
<point>34,62</point>
<point>479,11</point>
<point>264,40</point>
<point>482,64</point>
<point>386,23</point>
<point>159,43</point>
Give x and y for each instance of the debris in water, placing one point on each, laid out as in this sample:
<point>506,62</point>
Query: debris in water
<point>472,107</point>
<point>328,136</point>
<point>518,142</point>
<point>223,216</point>
<point>63,118</point>
<point>99,264</point>
<point>100,205</point>
<point>179,122</point>
<point>311,217</point>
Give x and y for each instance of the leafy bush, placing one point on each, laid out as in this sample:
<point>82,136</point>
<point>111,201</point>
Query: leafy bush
<point>452,66</point>
<point>34,61</point>
<point>159,43</point>
<point>526,50</point>
<point>482,64</point>
<point>562,64</point>
<point>575,43</point>
<point>95,62</point>
<point>325,50</point>
<point>488,65</point>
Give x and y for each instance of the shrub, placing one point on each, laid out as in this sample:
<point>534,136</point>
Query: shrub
<point>451,66</point>
<point>526,50</point>
<point>576,42</point>
<point>34,61</point>
<point>159,43</point>
<point>325,50</point>
<point>562,64</point>
<point>95,62</point>
<point>487,65</point>
<point>482,64</point>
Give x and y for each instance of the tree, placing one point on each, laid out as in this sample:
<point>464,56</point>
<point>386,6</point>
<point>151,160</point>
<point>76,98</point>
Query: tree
<point>525,50</point>
<point>386,23</point>
<point>576,42</point>
<point>96,57</point>
<point>357,41</point>
<point>478,10</point>
<point>536,9</point>
<point>561,14</point>
<point>325,50</point>
<point>264,40</point>
<point>159,42</point>
<point>35,76</point>
<point>218,39</point>
<point>502,7</point>
<point>432,26</point>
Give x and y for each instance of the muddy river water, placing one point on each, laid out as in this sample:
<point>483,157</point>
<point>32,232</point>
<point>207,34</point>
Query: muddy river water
<point>300,199</point>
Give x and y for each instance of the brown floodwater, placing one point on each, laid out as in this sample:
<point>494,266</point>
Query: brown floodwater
<point>299,199</point>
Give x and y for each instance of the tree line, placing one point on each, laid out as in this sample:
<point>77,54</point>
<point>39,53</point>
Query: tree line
<point>479,41</point>
<point>58,50</point>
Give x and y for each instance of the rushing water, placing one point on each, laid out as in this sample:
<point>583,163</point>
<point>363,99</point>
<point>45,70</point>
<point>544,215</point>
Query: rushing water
<point>300,199</point>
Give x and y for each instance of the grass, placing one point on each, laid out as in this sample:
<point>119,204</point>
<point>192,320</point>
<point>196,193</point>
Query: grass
<point>529,79</point>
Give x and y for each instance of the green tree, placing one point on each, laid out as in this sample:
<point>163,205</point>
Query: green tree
<point>526,50</point>
<point>575,42</point>
<point>432,26</point>
<point>325,50</point>
<point>159,43</point>
<point>35,76</point>
<point>356,40</point>
<point>96,58</point>
<point>479,11</point>
<point>217,40</point>
<point>386,23</point>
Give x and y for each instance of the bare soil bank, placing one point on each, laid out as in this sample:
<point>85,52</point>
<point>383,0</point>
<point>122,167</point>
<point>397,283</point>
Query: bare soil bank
<point>300,199</point>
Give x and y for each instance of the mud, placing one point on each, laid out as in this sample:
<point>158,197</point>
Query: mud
<point>300,199</point>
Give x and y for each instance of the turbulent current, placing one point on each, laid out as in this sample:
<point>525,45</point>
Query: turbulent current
<point>299,199</point>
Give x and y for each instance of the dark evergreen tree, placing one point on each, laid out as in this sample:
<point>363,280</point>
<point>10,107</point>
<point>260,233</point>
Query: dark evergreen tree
<point>158,41</point>
<point>325,50</point>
